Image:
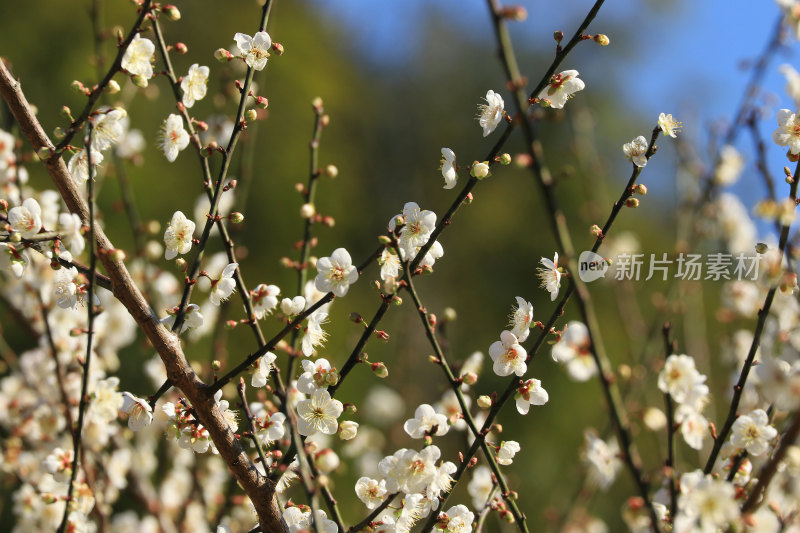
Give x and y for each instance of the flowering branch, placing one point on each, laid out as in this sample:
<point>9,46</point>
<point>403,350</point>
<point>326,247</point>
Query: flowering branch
<point>738,389</point>
<point>669,349</point>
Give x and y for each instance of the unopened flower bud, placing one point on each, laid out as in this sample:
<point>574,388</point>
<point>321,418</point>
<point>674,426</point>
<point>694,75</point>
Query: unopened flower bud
<point>523,160</point>
<point>139,81</point>
<point>307,211</point>
<point>505,159</point>
<point>111,88</point>
<point>641,189</point>
<point>78,87</point>
<point>484,402</point>
<point>325,121</point>
<point>230,324</point>
<point>470,378</point>
<point>789,180</point>
<point>236,218</point>
<point>180,263</point>
<point>480,170</point>
<point>468,200</point>
<point>216,365</point>
<point>66,112</point>
<point>172,12</point>
<point>787,171</point>
<point>558,36</point>
<point>277,48</point>
<point>331,171</point>
<point>181,48</point>
<point>153,250</point>
<point>58,133</point>
<point>761,248</point>
<point>654,419</point>
<point>380,370</point>
<point>794,158</point>
<point>449,314</point>
<point>222,55</point>
<point>596,231</point>
<point>432,320</point>
<point>632,202</point>
<point>250,115</point>
<point>397,301</point>
<point>44,153</point>
<point>118,255</point>
<point>3,204</point>
<point>348,430</point>
<point>15,237</point>
<point>316,103</point>
<point>602,39</point>
<point>516,13</point>
<point>262,102</point>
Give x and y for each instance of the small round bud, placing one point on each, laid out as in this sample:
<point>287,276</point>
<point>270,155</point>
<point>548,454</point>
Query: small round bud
<point>348,430</point>
<point>761,248</point>
<point>236,218</point>
<point>470,378</point>
<point>397,301</point>
<point>325,121</point>
<point>307,211</point>
<point>118,255</point>
<point>3,204</point>
<point>78,87</point>
<point>558,36</point>
<point>251,114</point>
<point>632,202</point>
<point>66,112</point>
<point>230,324</point>
<point>468,200</point>
<point>139,81</point>
<point>654,419</point>
<point>516,13</point>
<point>300,188</point>
<point>262,102</point>
<point>331,171</point>
<point>153,250</point>
<point>180,263</point>
<point>625,372</point>
<point>172,12</point>
<point>216,365</point>
<point>112,87</point>
<point>15,237</point>
<point>505,159</point>
<point>449,314</point>
<point>523,160</point>
<point>794,158</point>
<point>181,48</point>
<point>479,170</point>
<point>222,55</point>
<point>789,180</point>
<point>58,133</point>
<point>787,171</point>
<point>153,227</point>
<point>380,370</point>
<point>484,402</point>
<point>641,189</point>
<point>278,48</point>
<point>44,153</point>
<point>602,39</point>
<point>596,231</point>
<point>316,103</point>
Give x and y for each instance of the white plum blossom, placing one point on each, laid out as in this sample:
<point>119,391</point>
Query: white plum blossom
<point>316,375</point>
<point>293,306</point>
<point>336,273</point>
<point>314,334</point>
<point>550,276</point>
<point>192,318</point>
<point>108,129</point>
<point>560,88</point>
<point>457,519</point>
<point>172,137</point>
<point>78,165</point>
<point>59,464</point>
<point>194,84</point>
<point>67,291</point>
<point>449,168</point>
<point>348,430</point>
<point>255,49</point>
<point>263,369</point>
<point>106,401</point>
<point>679,376</point>
<point>178,235</point>
<point>669,125</point>
<point>26,218</point>
<point>299,521</point>
<point>265,299</point>
<point>418,224</point>
<point>753,433</point>
<point>508,449</point>
<point>390,265</point>
<point>318,414</point>
<point>69,225</point>
<point>573,350</point>
<point>694,426</point>
<point>409,470</point>
<point>729,166</point>
<point>140,414</point>
<point>223,287</point>
<point>601,460</point>
<point>272,428</point>
<point>706,504</point>
<point>508,356</point>
<point>530,393</point>
<point>491,113</point>
<point>138,58</point>
<point>520,319</point>
<point>371,491</point>
<point>228,414</point>
<point>480,486</point>
<point>636,151</point>
<point>7,156</point>
<point>435,252</point>
<point>788,132</point>
<point>426,421</point>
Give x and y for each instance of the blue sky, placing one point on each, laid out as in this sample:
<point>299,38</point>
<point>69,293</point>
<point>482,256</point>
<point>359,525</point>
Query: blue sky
<point>683,56</point>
